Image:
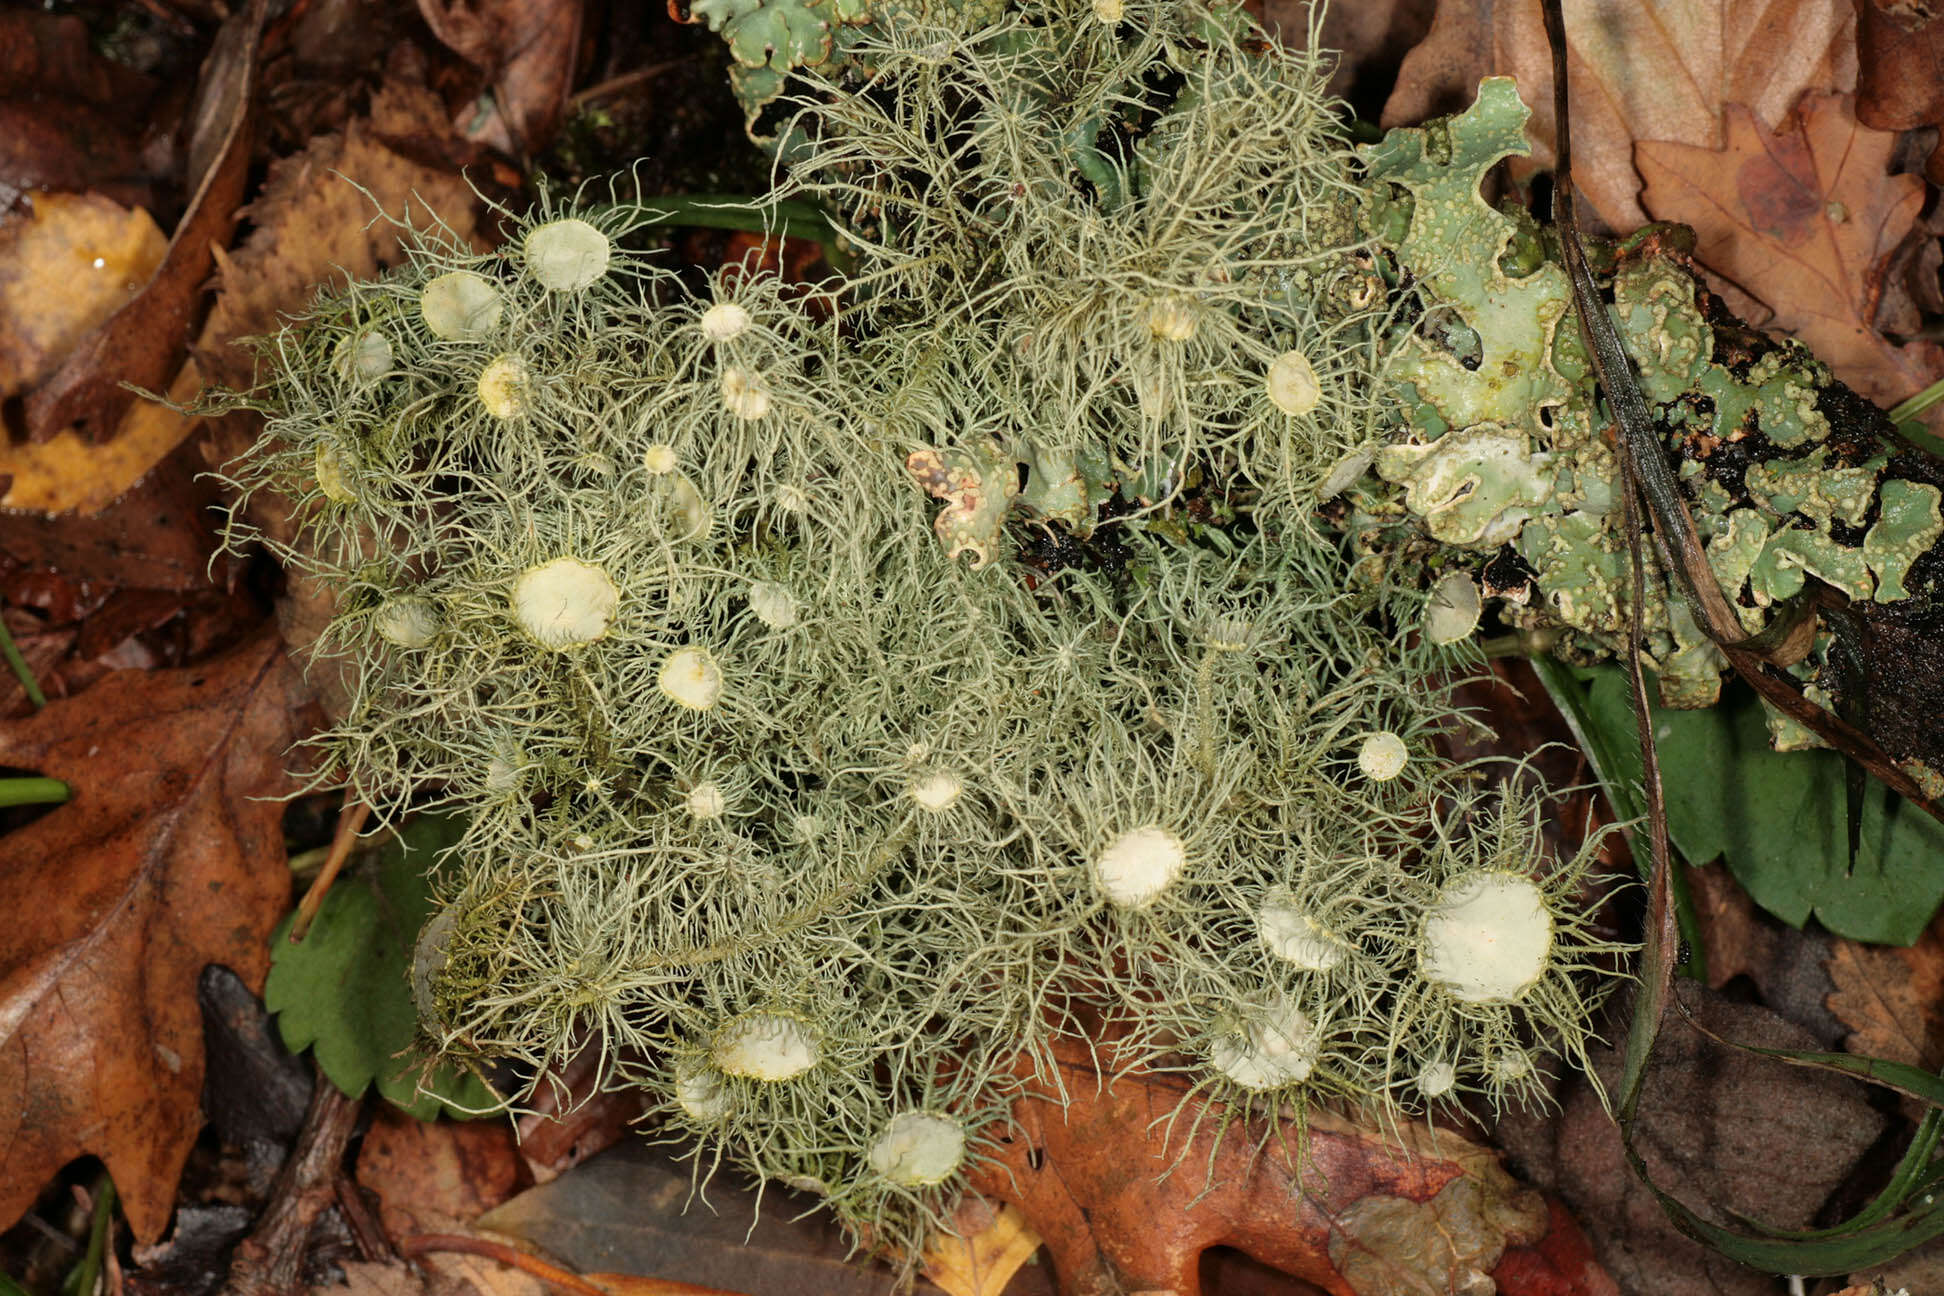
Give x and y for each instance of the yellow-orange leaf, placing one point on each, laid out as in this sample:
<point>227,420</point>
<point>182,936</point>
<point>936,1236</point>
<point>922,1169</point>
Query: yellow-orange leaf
<point>982,1260</point>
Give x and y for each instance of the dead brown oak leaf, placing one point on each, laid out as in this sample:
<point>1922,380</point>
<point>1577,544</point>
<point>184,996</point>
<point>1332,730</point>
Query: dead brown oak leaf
<point>169,857</point>
<point>1639,70</point>
<point>528,48</point>
<point>1808,221</point>
<point>1128,1186</point>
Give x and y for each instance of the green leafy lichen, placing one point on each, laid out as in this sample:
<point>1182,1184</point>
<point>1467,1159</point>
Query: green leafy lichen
<point>1505,450</point>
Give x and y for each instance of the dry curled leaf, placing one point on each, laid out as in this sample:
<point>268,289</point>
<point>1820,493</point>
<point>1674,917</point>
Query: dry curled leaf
<point>1128,1199</point>
<point>527,47</point>
<point>1639,70</point>
<point>1807,220</point>
<point>169,857</point>
<point>1900,69</point>
<point>70,118</point>
<point>436,1177</point>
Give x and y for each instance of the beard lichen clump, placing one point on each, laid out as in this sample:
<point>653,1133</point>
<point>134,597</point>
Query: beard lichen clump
<point>822,830</point>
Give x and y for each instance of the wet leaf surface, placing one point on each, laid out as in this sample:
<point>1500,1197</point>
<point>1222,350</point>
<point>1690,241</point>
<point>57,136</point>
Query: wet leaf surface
<point>67,262</point>
<point>70,473</point>
<point>635,1209</point>
<point>159,533</point>
<point>167,858</point>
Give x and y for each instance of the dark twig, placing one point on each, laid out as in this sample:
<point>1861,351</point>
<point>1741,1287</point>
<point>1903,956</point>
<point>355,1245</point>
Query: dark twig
<point>367,1230</point>
<point>270,1260</point>
<point>1644,477</point>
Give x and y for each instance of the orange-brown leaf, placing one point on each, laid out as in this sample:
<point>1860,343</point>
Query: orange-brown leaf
<point>1122,1194</point>
<point>168,858</point>
<point>984,1250</point>
<point>1808,221</point>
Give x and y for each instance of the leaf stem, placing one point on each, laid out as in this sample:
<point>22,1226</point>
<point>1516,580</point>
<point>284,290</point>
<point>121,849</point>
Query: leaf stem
<point>33,791</point>
<point>86,1275</point>
<point>1923,400</point>
<point>1904,415</point>
<point>349,823</point>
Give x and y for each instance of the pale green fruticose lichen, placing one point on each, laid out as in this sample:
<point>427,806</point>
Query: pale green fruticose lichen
<point>824,829</point>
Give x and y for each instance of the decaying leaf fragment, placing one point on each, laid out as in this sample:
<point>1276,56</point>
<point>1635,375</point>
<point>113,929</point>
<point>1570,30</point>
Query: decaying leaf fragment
<point>980,1258</point>
<point>169,857</point>
<point>1890,998</point>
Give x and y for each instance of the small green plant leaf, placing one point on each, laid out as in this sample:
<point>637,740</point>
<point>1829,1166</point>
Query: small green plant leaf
<point>344,991</point>
<point>1778,818</point>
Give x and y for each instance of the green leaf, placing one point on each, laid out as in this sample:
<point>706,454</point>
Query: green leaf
<point>345,990</point>
<point>1778,818</point>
